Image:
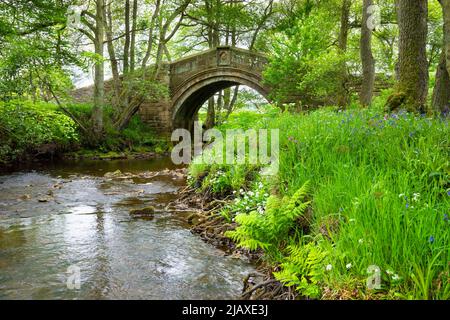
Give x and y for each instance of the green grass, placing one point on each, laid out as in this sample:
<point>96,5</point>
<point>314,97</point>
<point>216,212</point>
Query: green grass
<point>380,196</point>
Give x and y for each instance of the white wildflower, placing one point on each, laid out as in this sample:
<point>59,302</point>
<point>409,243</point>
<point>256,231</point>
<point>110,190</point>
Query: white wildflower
<point>360,241</point>
<point>395,277</point>
<point>348,266</point>
<point>416,197</point>
<point>328,267</point>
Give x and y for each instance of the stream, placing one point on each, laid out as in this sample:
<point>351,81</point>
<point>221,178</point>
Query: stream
<point>71,220</point>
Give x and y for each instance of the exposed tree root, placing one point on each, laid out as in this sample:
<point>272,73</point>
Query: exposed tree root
<point>211,227</point>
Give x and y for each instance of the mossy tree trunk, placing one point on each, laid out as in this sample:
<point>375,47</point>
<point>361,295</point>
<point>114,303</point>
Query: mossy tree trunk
<point>342,94</point>
<point>367,60</point>
<point>99,72</point>
<point>446,12</point>
<point>441,92</point>
<point>412,86</point>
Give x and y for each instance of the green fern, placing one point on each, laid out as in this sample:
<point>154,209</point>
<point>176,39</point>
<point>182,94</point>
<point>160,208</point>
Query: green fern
<point>266,231</point>
<point>302,269</point>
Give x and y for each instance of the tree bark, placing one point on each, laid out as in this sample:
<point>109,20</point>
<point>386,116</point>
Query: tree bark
<point>412,86</point>
<point>210,114</point>
<point>367,60</point>
<point>150,34</point>
<point>112,55</point>
<point>99,74</point>
<point>213,41</point>
<point>446,12</point>
<point>126,49</point>
<point>441,92</point>
<point>342,94</point>
<point>133,37</point>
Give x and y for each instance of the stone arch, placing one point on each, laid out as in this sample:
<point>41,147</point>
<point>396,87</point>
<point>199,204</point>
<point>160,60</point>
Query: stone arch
<point>193,92</point>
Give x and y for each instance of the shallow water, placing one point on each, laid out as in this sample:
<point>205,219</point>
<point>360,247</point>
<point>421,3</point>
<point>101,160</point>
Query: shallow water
<point>65,220</point>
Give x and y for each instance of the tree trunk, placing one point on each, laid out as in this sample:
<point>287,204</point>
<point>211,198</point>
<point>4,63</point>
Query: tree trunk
<point>112,55</point>
<point>126,49</point>
<point>412,86</point>
<point>446,12</point>
<point>133,37</point>
<point>150,34</point>
<point>99,76</point>
<point>210,114</point>
<point>342,94</point>
<point>367,60</point>
<point>441,92</point>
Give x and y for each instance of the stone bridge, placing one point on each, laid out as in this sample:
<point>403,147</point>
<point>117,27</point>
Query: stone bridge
<point>191,81</point>
<point>194,79</point>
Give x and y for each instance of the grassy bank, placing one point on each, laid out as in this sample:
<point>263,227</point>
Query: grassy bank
<point>358,209</point>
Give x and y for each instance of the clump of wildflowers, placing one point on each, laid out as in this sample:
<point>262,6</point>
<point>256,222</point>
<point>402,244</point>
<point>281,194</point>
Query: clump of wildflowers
<point>254,199</point>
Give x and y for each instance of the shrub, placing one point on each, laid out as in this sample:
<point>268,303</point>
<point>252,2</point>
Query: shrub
<point>28,128</point>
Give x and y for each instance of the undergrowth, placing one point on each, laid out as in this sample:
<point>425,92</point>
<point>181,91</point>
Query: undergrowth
<point>379,199</point>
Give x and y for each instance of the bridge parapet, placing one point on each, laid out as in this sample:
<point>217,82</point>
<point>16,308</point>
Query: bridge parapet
<point>186,69</point>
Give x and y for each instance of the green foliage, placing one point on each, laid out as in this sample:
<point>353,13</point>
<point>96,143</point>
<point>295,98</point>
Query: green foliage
<point>27,128</point>
<point>379,189</point>
<point>302,269</point>
<point>35,49</point>
<point>303,61</point>
<point>267,230</point>
<point>220,179</point>
<point>144,88</point>
<point>136,137</point>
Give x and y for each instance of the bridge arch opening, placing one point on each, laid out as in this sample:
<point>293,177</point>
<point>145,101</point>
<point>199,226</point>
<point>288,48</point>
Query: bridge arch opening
<point>188,101</point>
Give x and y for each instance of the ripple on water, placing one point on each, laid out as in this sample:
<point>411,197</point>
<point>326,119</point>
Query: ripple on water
<point>86,223</point>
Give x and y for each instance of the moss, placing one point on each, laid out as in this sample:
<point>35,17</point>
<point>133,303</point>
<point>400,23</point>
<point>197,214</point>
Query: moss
<point>395,102</point>
<point>402,101</point>
<point>150,210</point>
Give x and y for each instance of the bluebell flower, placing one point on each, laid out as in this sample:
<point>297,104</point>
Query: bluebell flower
<point>446,217</point>
<point>431,239</point>
<point>407,205</point>
<point>448,192</point>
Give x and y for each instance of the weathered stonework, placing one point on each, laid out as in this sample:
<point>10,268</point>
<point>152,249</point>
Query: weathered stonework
<point>191,81</point>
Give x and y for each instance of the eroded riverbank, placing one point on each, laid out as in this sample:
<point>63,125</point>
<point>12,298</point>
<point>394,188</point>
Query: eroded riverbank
<point>71,214</point>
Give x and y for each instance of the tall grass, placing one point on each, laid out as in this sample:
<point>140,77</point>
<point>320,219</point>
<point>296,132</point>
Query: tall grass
<point>380,196</point>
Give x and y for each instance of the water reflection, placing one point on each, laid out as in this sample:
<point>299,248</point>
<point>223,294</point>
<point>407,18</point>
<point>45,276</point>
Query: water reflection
<point>87,224</point>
